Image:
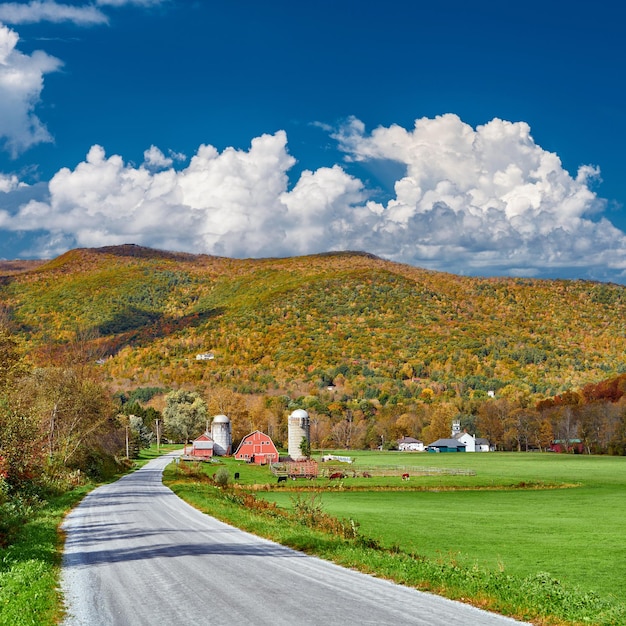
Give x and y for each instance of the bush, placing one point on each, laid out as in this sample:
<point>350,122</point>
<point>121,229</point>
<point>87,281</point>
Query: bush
<point>14,512</point>
<point>222,477</point>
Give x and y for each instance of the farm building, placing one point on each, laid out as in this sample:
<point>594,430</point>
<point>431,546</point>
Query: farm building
<point>257,447</point>
<point>446,445</point>
<point>567,445</point>
<point>483,445</point>
<point>472,443</point>
<point>221,434</point>
<point>410,444</point>
<point>467,439</point>
<point>202,447</point>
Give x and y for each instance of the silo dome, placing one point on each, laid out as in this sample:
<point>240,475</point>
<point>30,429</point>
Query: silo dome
<point>298,429</point>
<point>221,435</point>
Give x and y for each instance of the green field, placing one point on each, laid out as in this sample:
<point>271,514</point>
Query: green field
<point>573,532</point>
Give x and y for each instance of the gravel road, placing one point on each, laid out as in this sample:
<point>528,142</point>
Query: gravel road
<point>137,554</point>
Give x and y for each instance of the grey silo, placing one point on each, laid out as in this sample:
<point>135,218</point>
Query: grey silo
<point>221,435</point>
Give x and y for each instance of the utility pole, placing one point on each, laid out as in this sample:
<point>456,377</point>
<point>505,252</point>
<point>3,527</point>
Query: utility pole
<point>158,434</point>
<point>53,419</point>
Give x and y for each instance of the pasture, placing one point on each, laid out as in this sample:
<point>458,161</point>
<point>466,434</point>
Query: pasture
<point>521,513</point>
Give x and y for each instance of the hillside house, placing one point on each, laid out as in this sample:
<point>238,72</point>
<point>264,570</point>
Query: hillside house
<point>202,447</point>
<point>410,444</point>
<point>257,447</point>
<point>446,445</point>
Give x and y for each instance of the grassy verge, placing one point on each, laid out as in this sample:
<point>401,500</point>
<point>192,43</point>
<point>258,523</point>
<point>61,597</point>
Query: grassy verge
<point>30,565</point>
<point>538,598</point>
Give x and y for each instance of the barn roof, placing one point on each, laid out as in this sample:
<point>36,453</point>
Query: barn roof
<point>446,443</point>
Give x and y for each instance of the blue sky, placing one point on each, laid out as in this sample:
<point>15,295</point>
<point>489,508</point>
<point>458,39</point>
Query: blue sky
<point>478,138</point>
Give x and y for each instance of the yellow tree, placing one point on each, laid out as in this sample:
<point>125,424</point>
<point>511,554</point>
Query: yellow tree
<point>440,426</point>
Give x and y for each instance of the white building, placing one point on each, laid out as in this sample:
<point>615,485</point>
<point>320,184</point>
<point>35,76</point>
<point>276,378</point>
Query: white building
<point>472,444</point>
<point>409,444</point>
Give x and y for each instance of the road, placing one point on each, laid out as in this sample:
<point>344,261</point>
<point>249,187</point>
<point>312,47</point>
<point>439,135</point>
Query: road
<point>137,554</point>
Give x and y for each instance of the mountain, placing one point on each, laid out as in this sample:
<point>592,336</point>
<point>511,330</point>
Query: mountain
<point>375,328</point>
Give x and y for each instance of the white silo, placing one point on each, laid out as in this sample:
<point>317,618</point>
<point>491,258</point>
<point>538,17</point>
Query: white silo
<point>298,427</point>
<point>221,435</point>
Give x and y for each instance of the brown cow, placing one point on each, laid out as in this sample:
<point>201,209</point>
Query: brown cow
<point>335,475</point>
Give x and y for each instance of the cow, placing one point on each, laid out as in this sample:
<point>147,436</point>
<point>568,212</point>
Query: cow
<point>366,475</point>
<point>282,479</point>
<point>335,475</point>
<point>405,477</point>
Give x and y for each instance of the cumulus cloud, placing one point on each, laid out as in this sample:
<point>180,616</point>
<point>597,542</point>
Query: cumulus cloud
<point>9,182</point>
<point>479,201</point>
<point>50,11</point>
<point>234,203</point>
<point>21,82</point>
<point>484,198</point>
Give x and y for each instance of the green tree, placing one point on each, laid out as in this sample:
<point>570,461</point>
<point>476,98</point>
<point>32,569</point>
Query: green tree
<point>185,414</point>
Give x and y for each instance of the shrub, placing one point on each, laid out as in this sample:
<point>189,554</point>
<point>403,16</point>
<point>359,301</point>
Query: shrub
<point>222,477</point>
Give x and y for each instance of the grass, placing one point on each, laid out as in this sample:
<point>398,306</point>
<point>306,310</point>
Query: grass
<point>542,523</point>
<point>30,566</point>
<point>574,533</point>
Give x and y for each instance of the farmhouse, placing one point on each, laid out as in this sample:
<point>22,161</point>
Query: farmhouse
<point>410,444</point>
<point>446,445</point>
<point>257,447</point>
<point>202,447</point>
<point>483,445</point>
<point>472,444</point>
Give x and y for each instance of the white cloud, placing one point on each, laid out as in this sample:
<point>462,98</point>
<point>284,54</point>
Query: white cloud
<point>141,3</point>
<point>154,158</point>
<point>21,83</point>
<point>477,201</point>
<point>483,199</point>
<point>9,182</point>
<point>50,11</point>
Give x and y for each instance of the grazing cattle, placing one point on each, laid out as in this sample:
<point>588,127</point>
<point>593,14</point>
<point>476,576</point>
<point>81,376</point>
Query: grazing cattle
<point>366,475</point>
<point>405,477</point>
<point>282,479</point>
<point>335,476</point>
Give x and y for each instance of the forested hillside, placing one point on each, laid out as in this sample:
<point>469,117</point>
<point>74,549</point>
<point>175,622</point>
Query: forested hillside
<point>380,327</point>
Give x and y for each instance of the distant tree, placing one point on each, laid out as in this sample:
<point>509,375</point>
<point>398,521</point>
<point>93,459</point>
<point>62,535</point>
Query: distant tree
<point>440,426</point>
<point>224,401</point>
<point>185,414</point>
<point>491,420</point>
<point>141,434</point>
<point>72,409</point>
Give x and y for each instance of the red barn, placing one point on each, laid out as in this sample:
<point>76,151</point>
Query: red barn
<point>258,448</point>
<point>202,447</point>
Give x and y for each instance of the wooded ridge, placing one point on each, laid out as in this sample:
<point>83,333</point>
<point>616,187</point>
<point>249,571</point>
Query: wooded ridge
<point>373,328</point>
